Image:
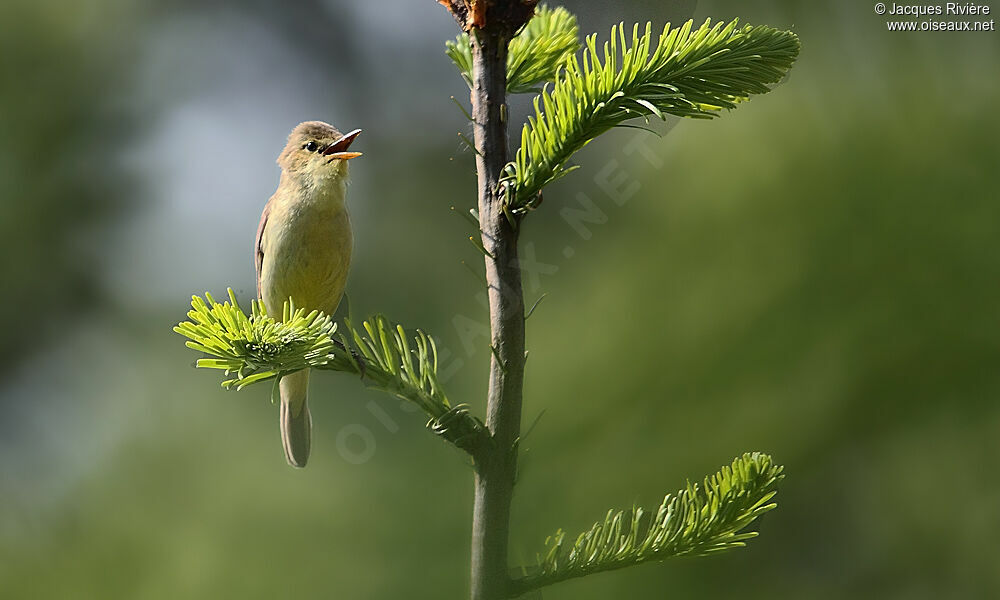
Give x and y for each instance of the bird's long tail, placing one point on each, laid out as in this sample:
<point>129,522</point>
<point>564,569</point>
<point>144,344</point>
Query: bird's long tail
<point>296,423</point>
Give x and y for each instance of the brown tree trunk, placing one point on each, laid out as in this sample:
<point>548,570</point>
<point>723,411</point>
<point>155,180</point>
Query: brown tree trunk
<point>496,465</point>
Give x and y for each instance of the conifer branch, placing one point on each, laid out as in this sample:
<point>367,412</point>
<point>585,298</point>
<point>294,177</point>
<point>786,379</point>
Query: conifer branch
<point>697,520</point>
<point>687,72</point>
<point>535,56</point>
<point>254,348</point>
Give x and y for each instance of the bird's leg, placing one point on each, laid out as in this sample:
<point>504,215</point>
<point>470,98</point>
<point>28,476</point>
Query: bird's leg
<point>360,360</point>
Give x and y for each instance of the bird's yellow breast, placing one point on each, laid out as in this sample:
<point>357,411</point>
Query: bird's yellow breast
<point>307,243</point>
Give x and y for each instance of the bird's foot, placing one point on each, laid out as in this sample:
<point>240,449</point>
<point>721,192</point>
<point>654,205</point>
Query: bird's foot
<point>360,360</point>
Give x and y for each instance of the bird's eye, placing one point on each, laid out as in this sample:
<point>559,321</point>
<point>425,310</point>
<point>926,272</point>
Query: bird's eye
<point>311,146</point>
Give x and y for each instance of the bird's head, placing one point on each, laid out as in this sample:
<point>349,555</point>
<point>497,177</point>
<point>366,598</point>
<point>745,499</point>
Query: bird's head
<point>317,151</point>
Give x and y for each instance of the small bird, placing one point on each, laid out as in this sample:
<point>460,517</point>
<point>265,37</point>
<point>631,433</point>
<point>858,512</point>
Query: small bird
<point>303,251</point>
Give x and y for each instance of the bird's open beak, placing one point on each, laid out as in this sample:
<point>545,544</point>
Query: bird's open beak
<point>339,148</point>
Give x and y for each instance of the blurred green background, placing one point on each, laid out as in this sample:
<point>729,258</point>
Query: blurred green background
<point>816,275</point>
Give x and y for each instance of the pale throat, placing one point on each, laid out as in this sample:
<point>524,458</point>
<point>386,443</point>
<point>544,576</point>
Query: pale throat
<point>327,193</point>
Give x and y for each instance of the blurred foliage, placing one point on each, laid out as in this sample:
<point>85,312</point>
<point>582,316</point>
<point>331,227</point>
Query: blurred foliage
<point>825,289</point>
<point>62,123</point>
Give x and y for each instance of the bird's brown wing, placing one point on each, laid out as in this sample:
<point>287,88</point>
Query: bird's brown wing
<point>258,255</point>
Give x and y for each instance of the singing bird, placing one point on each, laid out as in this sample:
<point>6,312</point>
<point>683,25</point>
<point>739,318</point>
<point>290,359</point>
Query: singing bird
<point>303,251</point>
